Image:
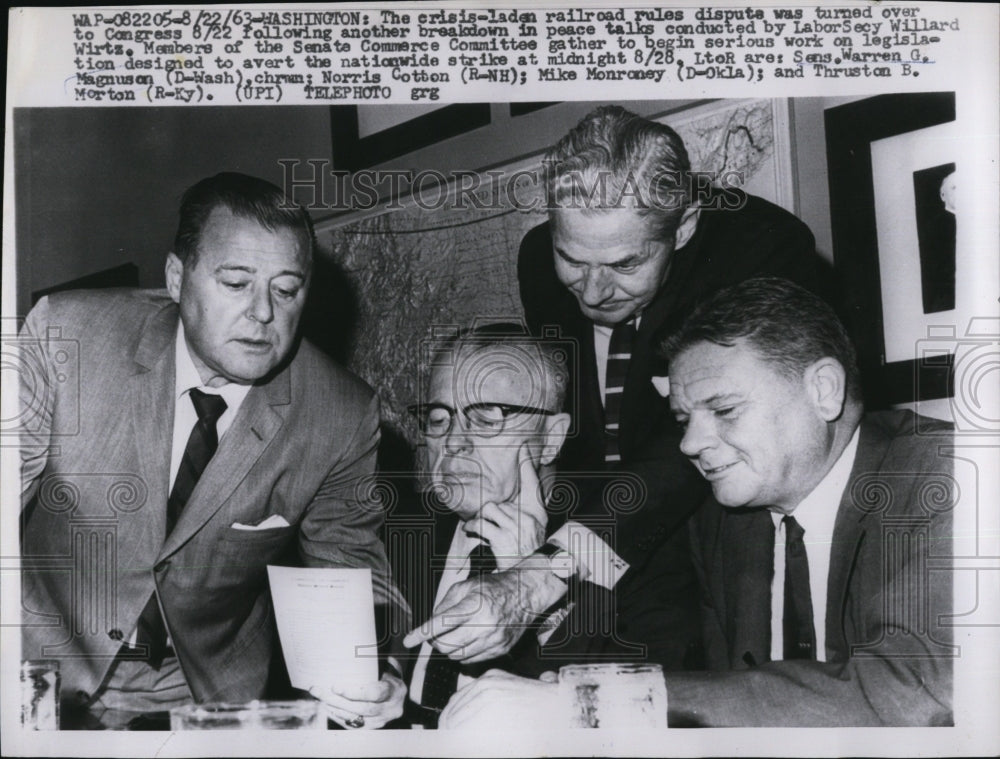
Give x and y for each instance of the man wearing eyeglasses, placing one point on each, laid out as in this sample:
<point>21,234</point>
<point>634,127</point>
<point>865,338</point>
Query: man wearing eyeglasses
<point>823,561</point>
<point>491,427</point>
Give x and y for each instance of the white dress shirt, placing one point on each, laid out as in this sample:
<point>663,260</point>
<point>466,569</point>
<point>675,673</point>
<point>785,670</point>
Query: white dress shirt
<point>186,378</point>
<point>816,514</point>
<point>593,559</point>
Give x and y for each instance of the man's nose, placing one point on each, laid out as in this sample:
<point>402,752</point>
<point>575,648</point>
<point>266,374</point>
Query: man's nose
<point>697,437</point>
<point>458,439</point>
<point>596,286</point>
<point>261,307</point>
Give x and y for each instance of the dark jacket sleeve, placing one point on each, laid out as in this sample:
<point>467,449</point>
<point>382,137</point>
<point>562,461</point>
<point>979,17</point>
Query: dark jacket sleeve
<point>544,298</point>
<point>895,668</point>
<point>762,239</point>
<point>906,680</point>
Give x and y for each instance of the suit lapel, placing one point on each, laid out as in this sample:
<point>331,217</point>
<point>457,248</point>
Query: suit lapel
<point>592,405</point>
<point>152,409</point>
<point>255,426</point>
<point>677,284</point>
<point>748,568</point>
<point>584,404</point>
<point>849,533</point>
<point>444,530</point>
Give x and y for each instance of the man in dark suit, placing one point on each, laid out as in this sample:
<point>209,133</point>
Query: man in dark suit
<point>823,552</point>
<point>633,242</point>
<point>642,253</point>
<point>191,440</point>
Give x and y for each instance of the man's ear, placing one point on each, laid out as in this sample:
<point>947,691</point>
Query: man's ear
<point>685,230</point>
<point>826,384</point>
<point>556,427</point>
<point>174,271</point>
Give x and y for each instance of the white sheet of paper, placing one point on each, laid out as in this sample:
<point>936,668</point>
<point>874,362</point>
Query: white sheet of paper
<point>326,622</point>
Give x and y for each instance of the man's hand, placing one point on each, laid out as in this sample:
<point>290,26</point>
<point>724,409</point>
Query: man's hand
<point>483,617</point>
<point>478,619</point>
<point>514,529</point>
<point>364,706</point>
<point>500,698</point>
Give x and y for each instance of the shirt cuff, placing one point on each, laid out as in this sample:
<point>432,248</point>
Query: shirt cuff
<point>594,560</point>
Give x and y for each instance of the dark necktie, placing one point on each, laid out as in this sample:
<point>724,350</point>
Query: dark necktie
<point>619,354</point>
<point>799,635</point>
<point>200,447</point>
<point>441,675</point>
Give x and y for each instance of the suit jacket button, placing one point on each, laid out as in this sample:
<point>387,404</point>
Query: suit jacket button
<point>116,634</point>
<point>161,567</point>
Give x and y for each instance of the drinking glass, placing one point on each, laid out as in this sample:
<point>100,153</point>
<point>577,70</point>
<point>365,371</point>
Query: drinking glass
<point>256,715</point>
<point>40,694</point>
<point>614,695</point>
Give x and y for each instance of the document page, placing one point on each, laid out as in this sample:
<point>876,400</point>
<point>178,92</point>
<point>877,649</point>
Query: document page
<point>326,622</point>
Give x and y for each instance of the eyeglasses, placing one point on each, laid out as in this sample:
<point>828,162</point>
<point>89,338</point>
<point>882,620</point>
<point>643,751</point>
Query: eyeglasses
<point>481,419</point>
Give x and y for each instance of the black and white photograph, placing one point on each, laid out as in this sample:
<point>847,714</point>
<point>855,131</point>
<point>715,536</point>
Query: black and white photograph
<point>586,421</point>
<point>934,195</point>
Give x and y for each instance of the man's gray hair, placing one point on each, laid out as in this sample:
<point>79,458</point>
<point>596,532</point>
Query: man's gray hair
<point>615,158</point>
<point>512,350</point>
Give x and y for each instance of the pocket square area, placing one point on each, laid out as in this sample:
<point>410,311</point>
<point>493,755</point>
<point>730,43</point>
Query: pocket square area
<point>275,520</point>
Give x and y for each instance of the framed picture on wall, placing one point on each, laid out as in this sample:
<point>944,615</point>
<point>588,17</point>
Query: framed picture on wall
<point>367,135</point>
<point>892,168</point>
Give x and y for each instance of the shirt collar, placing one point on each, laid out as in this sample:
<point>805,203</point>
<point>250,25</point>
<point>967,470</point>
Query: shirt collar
<point>187,377</point>
<point>636,320</point>
<point>815,513</point>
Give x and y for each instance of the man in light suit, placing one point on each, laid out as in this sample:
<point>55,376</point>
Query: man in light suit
<point>823,553</point>
<point>191,440</point>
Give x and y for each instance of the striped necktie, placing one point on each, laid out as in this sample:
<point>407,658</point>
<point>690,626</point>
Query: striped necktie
<point>619,354</point>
